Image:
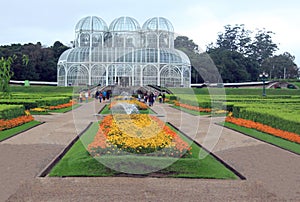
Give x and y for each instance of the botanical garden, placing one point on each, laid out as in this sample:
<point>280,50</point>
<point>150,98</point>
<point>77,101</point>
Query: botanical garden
<point>153,128</point>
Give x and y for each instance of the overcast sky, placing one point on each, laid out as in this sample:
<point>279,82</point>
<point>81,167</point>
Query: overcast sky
<point>47,21</point>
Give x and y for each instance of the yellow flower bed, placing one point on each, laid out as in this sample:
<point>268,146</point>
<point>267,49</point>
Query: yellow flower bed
<point>138,104</point>
<point>138,134</point>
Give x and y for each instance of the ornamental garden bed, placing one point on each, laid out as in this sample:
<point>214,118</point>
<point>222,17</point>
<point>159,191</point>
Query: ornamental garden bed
<point>13,120</point>
<point>5,134</point>
<point>121,145</point>
<point>62,108</point>
<point>283,139</point>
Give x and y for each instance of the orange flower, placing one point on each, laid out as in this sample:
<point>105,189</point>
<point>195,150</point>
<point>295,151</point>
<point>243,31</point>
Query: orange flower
<point>71,103</point>
<point>7,124</point>
<point>194,108</point>
<point>264,128</point>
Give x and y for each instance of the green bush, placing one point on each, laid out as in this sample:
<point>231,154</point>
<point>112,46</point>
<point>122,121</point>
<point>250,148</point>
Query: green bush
<point>11,111</point>
<point>28,103</point>
<point>52,101</point>
<point>277,116</point>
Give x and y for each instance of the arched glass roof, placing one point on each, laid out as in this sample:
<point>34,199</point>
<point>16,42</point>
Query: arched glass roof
<point>91,23</point>
<point>124,24</point>
<point>145,55</point>
<point>79,54</point>
<point>158,24</point>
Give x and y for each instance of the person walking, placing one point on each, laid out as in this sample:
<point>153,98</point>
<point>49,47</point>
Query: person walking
<point>160,98</point>
<point>100,97</point>
<point>80,97</point>
<point>86,96</point>
<point>163,97</point>
<point>151,99</point>
<point>104,95</point>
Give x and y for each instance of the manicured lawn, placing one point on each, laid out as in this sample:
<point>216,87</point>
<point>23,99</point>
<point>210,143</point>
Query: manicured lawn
<point>78,162</point>
<point>13,131</point>
<point>282,143</point>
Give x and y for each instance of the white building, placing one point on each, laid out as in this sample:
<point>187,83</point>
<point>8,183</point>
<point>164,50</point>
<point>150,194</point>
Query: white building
<point>125,54</point>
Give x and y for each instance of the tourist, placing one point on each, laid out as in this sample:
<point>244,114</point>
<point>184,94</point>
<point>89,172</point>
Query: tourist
<point>151,99</point>
<point>145,98</point>
<point>80,97</point>
<point>104,95</point>
<point>163,97</point>
<point>107,95</point>
<point>86,96</point>
<point>97,94</point>
<point>160,98</point>
<point>100,97</point>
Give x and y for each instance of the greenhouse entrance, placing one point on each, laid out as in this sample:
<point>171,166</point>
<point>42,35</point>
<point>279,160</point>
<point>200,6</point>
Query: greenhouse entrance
<point>124,81</point>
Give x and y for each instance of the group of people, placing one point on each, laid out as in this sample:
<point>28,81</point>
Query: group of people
<point>86,96</point>
<point>151,97</point>
<point>102,96</point>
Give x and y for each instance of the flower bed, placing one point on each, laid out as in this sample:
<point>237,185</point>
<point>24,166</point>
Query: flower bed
<point>11,123</point>
<point>137,134</point>
<point>57,107</point>
<point>70,104</point>
<point>264,128</point>
<point>190,107</point>
<point>138,104</point>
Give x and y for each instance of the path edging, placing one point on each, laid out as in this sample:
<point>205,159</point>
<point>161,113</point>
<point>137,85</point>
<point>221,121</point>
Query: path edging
<point>215,156</point>
<point>49,167</point>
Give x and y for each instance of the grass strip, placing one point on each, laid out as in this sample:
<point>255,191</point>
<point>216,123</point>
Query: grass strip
<point>276,141</point>
<point>16,130</point>
<point>78,162</point>
<point>192,112</point>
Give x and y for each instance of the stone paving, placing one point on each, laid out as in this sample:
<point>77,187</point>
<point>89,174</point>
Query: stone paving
<point>272,174</point>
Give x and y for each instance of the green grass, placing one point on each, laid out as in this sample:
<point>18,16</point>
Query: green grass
<point>282,143</point>
<point>41,89</point>
<point>78,162</point>
<point>13,131</point>
<point>192,112</point>
<point>236,91</point>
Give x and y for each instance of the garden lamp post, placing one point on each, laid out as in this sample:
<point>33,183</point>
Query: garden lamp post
<point>264,76</point>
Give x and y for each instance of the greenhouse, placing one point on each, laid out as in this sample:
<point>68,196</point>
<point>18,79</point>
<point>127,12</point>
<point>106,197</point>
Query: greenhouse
<point>124,54</point>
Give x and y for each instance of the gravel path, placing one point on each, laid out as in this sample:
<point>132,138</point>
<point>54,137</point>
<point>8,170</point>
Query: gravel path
<point>272,173</point>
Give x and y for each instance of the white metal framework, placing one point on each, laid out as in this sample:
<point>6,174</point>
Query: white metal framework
<point>124,54</point>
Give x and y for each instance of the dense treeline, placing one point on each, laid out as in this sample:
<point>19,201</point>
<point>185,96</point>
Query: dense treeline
<point>42,61</point>
<point>238,54</point>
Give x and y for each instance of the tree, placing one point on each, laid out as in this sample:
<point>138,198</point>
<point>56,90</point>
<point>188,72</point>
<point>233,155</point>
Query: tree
<point>281,66</point>
<point>233,66</point>
<point>235,38</point>
<point>5,75</point>
<point>262,47</point>
<point>43,60</point>
<point>246,51</point>
<point>202,67</point>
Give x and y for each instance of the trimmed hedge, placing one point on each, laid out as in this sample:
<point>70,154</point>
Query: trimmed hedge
<point>28,104</point>
<point>11,111</point>
<point>273,115</point>
<point>52,101</point>
<point>33,103</point>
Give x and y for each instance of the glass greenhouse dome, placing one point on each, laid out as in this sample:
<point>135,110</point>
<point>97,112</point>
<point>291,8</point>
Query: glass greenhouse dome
<point>125,54</point>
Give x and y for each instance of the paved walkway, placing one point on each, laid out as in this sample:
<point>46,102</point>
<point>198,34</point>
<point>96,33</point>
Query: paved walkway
<point>272,173</point>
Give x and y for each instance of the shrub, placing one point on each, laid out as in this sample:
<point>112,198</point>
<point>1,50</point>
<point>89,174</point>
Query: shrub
<point>11,111</point>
